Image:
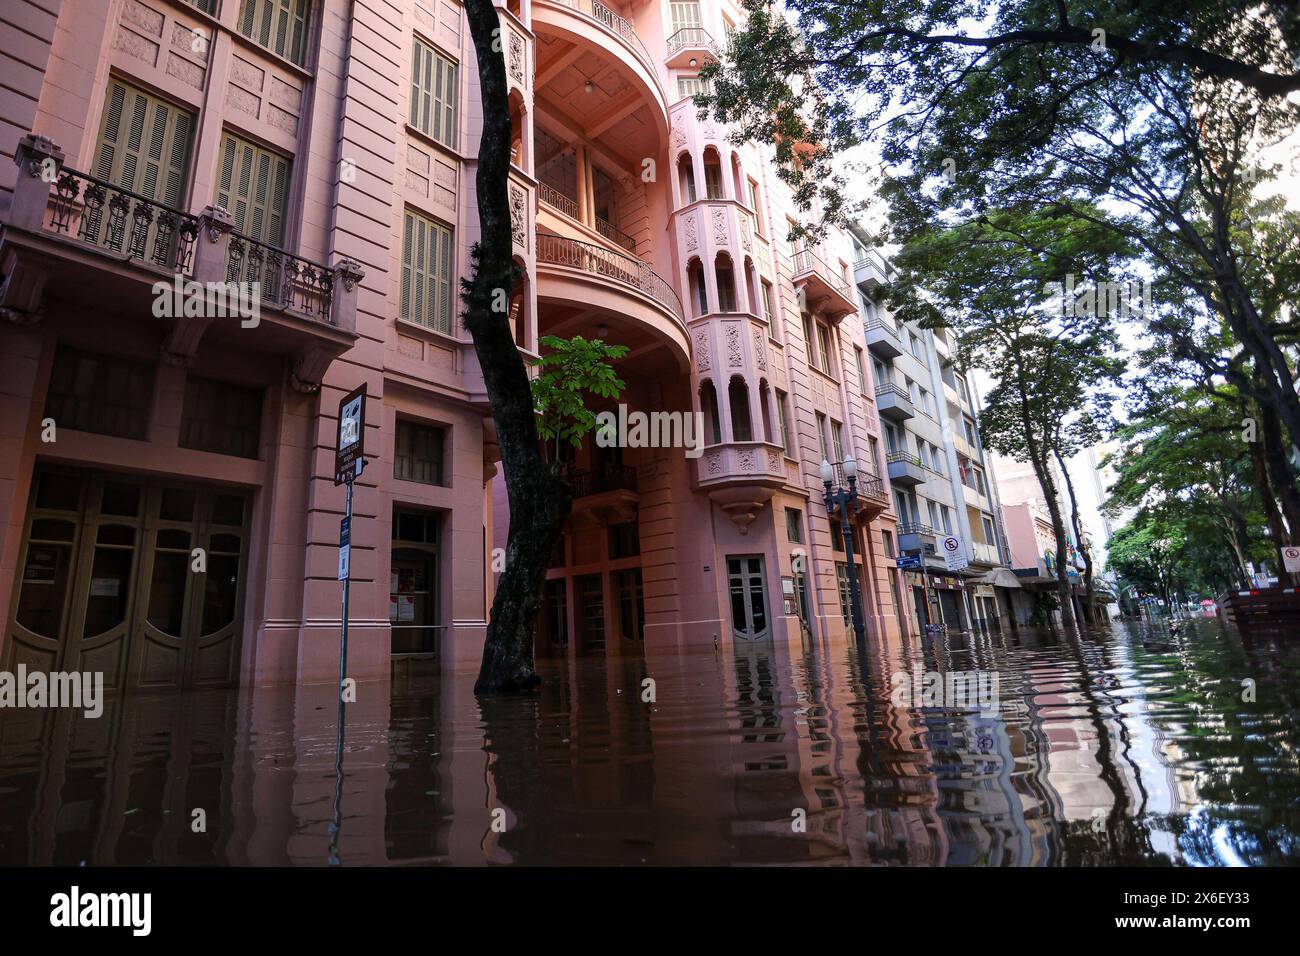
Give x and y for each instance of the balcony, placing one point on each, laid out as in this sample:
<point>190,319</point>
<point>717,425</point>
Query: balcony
<point>112,247</point>
<point>913,536</point>
<point>983,553</point>
<point>741,477</point>
<point>690,43</point>
<point>905,470</point>
<point>882,339</point>
<point>871,271</point>
<point>893,403</point>
<point>568,207</point>
<point>605,493</point>
<point>824,289</point>
<point>590,26</point>
<point>873,498</point>
<point>624,288</point>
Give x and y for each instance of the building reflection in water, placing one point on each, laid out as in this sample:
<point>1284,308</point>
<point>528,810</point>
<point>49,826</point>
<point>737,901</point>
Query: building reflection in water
<point>1129,746</point>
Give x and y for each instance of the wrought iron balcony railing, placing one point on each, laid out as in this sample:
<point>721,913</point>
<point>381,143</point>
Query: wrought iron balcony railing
<point>584,482</point>
<point>889,388</point>
<point>887,327</point>
<point>557,200</point>
<point>612,22</point>
<point>615,234</point>
<point>805,260</point>
<point>597,260</point>
<point>101,214</point>
<point>894,457</point>
<point>692,38</point>
<point>287,281</point>
<point>914,527</point>
<point>868,485</point>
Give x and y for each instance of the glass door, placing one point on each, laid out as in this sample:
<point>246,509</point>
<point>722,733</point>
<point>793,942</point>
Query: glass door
<point>748,598</point>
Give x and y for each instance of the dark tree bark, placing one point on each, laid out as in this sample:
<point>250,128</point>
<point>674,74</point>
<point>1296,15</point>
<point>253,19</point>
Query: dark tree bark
<point>539,500</point>
<point>1281,475</point>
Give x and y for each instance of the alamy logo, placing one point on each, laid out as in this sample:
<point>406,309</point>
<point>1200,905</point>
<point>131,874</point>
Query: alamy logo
<point>182,298</point>
<point>626,429</point>
<point>77,690</point>
<point>74,908</point>
<point>1118,299</point>
<point>958,690</point>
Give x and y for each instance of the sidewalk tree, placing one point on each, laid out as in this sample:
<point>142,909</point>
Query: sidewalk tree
<point>570,371</point>
<point>1146,119</point>
<point>539,500</point>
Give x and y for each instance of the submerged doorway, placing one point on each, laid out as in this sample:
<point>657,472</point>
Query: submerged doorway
<point>141,579</point>
<point>745,579</point>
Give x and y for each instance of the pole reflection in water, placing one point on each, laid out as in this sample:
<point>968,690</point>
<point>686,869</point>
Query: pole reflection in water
<point>1130,745</point>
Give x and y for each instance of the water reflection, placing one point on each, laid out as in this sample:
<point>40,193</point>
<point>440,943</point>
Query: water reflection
<point>1132,745</point>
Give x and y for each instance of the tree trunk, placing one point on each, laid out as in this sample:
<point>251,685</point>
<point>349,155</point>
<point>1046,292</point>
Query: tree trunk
<point>1065,595</point>
<point>1280,472</point>
<point>1077,525</point>
<point>539,500</point>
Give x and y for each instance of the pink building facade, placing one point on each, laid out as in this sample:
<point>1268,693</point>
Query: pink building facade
<point>168,513</point>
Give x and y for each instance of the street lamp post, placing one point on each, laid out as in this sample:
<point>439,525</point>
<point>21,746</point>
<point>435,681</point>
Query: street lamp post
<point>845,501</point>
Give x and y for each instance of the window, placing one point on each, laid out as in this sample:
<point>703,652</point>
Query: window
<point>915,344</point>
<point>100,394</point>
<point>207,6</point>
<point>222,418</point>
<point>738,399</point>
<point>433,94</point>
<point>862,370</point>
<point>794,525</point>
<point>846,593</point>
<point>824,348</point>
<point>688,86</point>
<point>837,440</point>
<point>875,457</point>
<point>624,540</point>
<point>821,436</point>
<point>712,174</point>
<point>631,604</point>
<point>253,186</point>
<point>808,339</point>
<point>933,510</point>
<point>785,423</point>
<point>882,372</point>
<point>426,273</point>
<point>144,146</point>
<point>752,188</point>
<point>947,519</point>
<point>278,25</point>
<point>418,453</point>
<point>685,14</point>
<point>887,540</point>
<point>767,303</point>
<point>990,535</point>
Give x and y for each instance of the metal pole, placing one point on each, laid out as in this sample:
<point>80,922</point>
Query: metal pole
<point>347,580</point>
<point>336,819</point>
<point>854,595</point>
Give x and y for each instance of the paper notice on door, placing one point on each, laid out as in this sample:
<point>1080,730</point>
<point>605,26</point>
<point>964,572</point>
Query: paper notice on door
<point>392,609</point>
<point>406,608</point>
<point>104,587</point>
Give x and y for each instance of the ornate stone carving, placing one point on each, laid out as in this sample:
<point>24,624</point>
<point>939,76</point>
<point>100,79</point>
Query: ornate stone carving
<point>702,361</point>
<point>746,461</point>
<point>516,58</point>
<point>676,138</point>
<point>720,236</point>
<point>713,462</point>
<point>774,462</point>
<point>692,239</point>
<point>734,358</point>
<point>760,349</point>
<point>518,216</point>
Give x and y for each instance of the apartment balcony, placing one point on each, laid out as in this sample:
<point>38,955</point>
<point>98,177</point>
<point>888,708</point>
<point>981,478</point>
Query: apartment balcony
<point>741,477</point>
<point>913,536</point>
<point>578,27</point>
<point>567,206</point>
<point>605,493</point>
<point>640,306</point>
<point>691,47</point>
<point>893,403</point>
<point>882,339</point>
<point>873,496</point>
<point>964,447</point>
<point>905,470</point>
<point>871,271</point>
<point>983,554</point>
<point>824,289</point>
<point>192,273</point>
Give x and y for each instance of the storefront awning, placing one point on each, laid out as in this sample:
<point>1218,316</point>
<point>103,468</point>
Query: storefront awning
<point>999,577</point>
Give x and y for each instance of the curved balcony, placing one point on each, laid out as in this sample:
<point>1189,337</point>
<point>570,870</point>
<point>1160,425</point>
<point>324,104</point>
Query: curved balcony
<point>617,287</point>
<point>590,26</point>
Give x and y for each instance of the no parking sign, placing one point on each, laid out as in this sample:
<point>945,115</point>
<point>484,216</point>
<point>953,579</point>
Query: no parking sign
<point>1291,558</point>
<point>954,552</point>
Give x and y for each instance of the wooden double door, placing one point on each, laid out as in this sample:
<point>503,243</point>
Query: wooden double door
<point>140,579</point>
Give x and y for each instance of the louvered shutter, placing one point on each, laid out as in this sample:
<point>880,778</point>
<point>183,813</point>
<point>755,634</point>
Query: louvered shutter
<point>426,273</point>
<point>433,94</point>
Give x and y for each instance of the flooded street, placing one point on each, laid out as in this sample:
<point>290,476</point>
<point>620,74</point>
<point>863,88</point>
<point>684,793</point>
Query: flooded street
<point>1129,746</point>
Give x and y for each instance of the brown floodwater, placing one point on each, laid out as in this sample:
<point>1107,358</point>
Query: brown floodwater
<point>1127,745</point>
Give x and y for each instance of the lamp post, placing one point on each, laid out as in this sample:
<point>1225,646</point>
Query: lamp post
<point>846,502</point>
